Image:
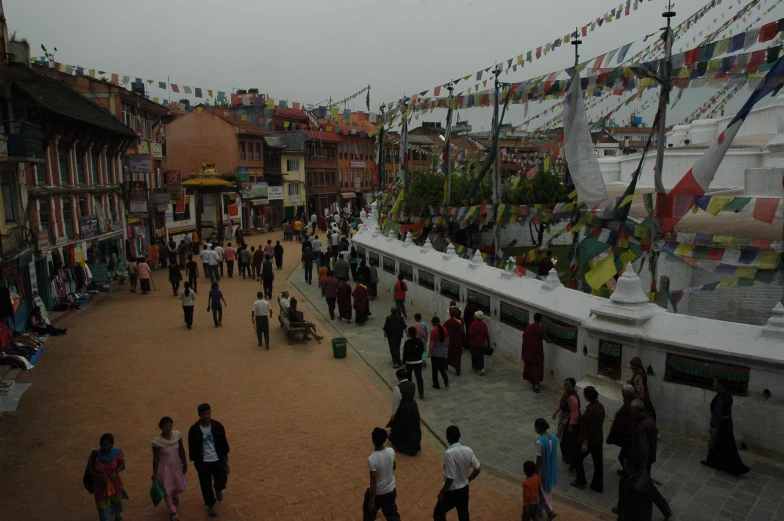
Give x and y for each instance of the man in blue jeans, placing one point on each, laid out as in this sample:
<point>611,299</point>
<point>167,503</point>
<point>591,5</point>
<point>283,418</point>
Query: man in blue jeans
<point>215,299</point>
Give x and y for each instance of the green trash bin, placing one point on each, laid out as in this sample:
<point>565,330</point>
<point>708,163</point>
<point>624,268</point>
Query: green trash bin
<point>339,346</point>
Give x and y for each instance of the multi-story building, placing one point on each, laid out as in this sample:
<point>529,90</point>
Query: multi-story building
<point>73,199</point>
<point>321,170</point>
<point>147,119</point>
<point>292,165</point>
<point>356,165</point>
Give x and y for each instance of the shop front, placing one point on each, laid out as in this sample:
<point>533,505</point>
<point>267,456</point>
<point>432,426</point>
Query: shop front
<point>16,295</point>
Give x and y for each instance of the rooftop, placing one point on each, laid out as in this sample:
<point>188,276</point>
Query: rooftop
<point>317,135</point>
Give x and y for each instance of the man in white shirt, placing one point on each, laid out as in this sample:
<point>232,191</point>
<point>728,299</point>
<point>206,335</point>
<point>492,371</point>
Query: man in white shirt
<point>315,244</point>
<point>219,251</point>
<point>313,221</point>
<point>260,317</point>
<point>212,260</point>
<point>285,302</point>
<point>205,261</point>
<point>382,492</point>
<point>457,462</point>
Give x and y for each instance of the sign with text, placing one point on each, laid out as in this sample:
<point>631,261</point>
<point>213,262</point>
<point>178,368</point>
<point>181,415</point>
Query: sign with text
<point>137,196</point>
<point>233,210</point>
<point>357,164</point>
<point>144,147</point>
<point>140,163</point>
<point>275,193</point>
<point>61,241</point>
<point>242,174</point>
<point>169,216</point>
<point>173,183</point>
<point>156,149</point>
<point>255,191</point>
<point>89,226</point>
<point>161,198</point>
<point>180,206</point>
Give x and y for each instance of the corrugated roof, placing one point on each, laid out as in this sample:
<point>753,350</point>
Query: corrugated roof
<point>274,142</point>
<point>59,97</point>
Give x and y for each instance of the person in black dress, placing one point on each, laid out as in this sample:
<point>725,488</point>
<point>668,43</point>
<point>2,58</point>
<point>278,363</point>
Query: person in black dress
<point>722,451</point>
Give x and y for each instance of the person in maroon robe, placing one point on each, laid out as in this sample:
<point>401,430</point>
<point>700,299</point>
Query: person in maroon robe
<point>456,339</point>
<point>361,302</point>
<point>344,301</point>
<point>533,352</point>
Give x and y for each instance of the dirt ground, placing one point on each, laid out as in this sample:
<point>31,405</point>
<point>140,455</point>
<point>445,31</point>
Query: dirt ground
<point>298,420</point>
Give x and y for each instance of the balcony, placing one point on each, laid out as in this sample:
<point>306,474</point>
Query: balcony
<point>24,139</point>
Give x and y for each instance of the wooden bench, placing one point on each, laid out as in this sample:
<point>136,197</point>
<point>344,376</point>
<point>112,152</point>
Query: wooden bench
<point>285,323</point>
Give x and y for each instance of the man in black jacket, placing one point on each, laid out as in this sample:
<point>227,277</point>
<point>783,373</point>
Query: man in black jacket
<point>209,451</point>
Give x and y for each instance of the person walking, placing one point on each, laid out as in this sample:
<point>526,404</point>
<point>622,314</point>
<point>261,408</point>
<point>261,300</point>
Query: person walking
<point>182,254</point>
<point>344,301</point>
<point>260,316</point>
<point>192,269</point>
<point>323,271</point>
<point>104,466</point>
<point>341,268</point>
<point>221,258</point>
<point>143,269</point>
<point>205,261</point>
<point>400,294</point>
<point>363,272</point>
<point>640,382</point>
<point>169,464</point>
<point>546,446</point>
<point>413,351</point>
<point>214,262</point>
<point>244,261</point>
<point>456,340</point>
<point>278,250</point>
<point>421,329</point>
<point>267,276</point>
<point>439,351</point>
<point>175,277</point>
<point>258,258</point>
<point>478,340</point>
<point>331,286</point>
<point>361,303</point>
<point>307,265</point>
<point>373,287</point>
<point>405,431</point>
<point>622,427</point>
<point>636,500</point>
<point>133,274</point>
<point>382,492</point>
<point>208,449</point>
<point>533,352</point>
<point>568,414</point>
<point>468,316</point>
<point>269,249</point>
<point>353,262</point>
<point>531,486</point>
<point>230,254</point>
<point>313,221</point>
<point>188,298</point>
<point>215,299</point>
<point>458,461</point>
<point>394,327</point>
<point>590,441</point>
<point>722,450</point>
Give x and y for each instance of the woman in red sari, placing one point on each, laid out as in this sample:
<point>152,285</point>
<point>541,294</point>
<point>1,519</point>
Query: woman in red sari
<point>344,301</point>
<point>361,302</point>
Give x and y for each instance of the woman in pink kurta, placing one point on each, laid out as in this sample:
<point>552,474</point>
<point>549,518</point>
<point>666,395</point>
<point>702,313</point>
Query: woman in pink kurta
<point>169,464</point>
<point>144,274</point>
<point>105,465</point>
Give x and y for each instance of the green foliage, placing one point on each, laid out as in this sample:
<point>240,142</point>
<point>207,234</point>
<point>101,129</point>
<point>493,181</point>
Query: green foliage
<point>428,188</point>
<point>544,188</point>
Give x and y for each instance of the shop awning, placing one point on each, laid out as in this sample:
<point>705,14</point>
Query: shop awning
<point>348,195</point>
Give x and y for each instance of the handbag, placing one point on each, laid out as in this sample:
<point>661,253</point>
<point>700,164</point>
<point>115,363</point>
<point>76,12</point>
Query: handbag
<point>489,351</point>
<point>157,493</point>
<point>87,479</point>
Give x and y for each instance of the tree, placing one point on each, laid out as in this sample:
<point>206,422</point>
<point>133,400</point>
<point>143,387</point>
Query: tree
<point>544,188</point>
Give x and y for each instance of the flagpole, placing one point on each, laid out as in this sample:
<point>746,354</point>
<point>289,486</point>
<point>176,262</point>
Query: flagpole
<point>447,149</point>
<point>497,165</point>
<point>404,145</point>
<point>664,78</point>
<point>574,251</point>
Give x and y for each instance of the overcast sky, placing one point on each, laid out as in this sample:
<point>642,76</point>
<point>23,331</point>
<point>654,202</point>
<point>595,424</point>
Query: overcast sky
<point>309,50</point>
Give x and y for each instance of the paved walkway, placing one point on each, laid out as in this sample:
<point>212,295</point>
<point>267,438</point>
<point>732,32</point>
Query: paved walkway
<point>496,414</point>
<point>298,420</point>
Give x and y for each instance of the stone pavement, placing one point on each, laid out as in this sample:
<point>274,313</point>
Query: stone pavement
<point>298,420</point>
<point>496,414</point>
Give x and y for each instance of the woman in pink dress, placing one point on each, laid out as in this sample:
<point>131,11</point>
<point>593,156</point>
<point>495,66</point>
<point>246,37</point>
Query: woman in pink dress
<point>169,463</point>
<point>105,465</point>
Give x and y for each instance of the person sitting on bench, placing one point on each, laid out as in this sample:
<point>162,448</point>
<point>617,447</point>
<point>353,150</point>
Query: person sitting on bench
<point>297,319</point>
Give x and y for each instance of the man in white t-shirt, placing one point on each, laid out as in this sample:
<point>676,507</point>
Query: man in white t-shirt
<point>260,316</point>
<point>208,449</point>
<point>205,260</point>
<point>382,492</point>
<point>314,221</point>
<point>212,260</point>
<point>458,460</point>
<point>219,251</point>
<point>285,301</point>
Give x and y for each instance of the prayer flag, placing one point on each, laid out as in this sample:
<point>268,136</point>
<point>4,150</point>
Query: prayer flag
<point>717,204</point>
<point>603,272</point>
<point>161,84</point>
<point>765,209</point>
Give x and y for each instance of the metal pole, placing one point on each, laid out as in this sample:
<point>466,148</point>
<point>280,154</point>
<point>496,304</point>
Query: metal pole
<point>447,150</point>
<point>497,166</point>
<point>664,77</point>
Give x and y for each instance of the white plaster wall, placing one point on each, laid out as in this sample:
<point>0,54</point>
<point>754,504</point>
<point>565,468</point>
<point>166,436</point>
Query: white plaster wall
<point>762,120</point>
<point>764,182</point>
<point>680,408</point>
<point>522,235</point>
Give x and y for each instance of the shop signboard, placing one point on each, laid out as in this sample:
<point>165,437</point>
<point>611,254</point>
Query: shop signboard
<point>357,164</point>
<point>181,203</point>
<point>137,195</point>
<point>116,226</point>
<point>140,163</point>
<point>162,198</point>
<point>169,216</point>
<point>156,149</point>
<point>144,147</point>
<point>255,191</point>
<point>43,240</point>
<point>275,193</point>
<point>173,183</point>
<point>242,174</point>
<point>233,210</point>
<point>61,241</point>
<point>260,202</point>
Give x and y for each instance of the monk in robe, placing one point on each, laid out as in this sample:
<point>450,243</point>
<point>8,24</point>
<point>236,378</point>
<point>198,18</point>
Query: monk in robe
<point>533,352</point>
<point>456,340</point>
<point>344,301</point>
<point>361,302</point>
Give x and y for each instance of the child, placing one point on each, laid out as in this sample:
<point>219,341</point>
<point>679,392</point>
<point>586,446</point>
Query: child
<point>531,486</point>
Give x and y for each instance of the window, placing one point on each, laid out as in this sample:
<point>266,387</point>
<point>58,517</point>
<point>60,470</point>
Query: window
<point>427,280</point>
<point>127,116</point>
<point>82,208</point>
<point>563,334</point>
<point>696,372</point>
<point>110,216</point>
<point>44,217</point>
<point>309,177</point>
<point>9,198</point>
<point>242,151</point>
<point>407,270</point>
<point>292,165</point>
<point>610,356</point>
<point>374,259</point>
<point>62,159</point>
<point>321,181</point>
<point>79,166</point>
<point>482,301</point>
<point>257,154</point>
<point>513,316</point>
<point>67,217</point>
<point>94,165</point>
<point>143,125</point>
<point>40,174</point>
<point>111,173</point>
<point>450,289</point>
<point>293,189</point>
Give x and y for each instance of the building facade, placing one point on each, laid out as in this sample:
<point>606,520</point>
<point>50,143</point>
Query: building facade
<point>321,171</point>
<point>292,166</point>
